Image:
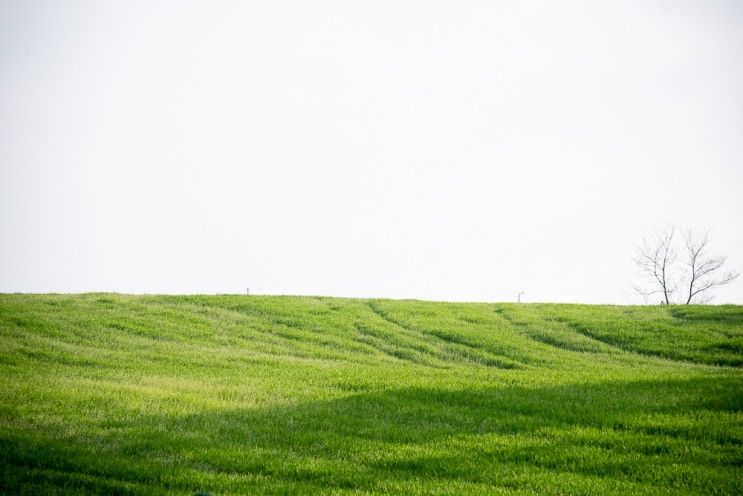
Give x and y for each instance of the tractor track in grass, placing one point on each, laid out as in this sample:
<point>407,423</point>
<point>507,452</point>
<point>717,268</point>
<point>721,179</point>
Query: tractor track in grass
<point>406,353</point>
<point>257,327</point>
<point>580,330</point>
<point>462,348</point>
<point>523,328</point>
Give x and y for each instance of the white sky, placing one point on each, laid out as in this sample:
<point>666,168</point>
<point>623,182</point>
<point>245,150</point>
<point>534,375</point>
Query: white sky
<point>436,150</point>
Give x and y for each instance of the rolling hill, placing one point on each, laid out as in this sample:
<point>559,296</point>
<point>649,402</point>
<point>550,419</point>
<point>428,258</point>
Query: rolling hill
<point>121,394</point>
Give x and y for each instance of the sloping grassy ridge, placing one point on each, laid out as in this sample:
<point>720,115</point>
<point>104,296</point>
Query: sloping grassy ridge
<point>117,394</point>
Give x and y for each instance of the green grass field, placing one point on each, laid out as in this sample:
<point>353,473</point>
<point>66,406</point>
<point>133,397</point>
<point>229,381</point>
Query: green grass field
<point>116,394</point>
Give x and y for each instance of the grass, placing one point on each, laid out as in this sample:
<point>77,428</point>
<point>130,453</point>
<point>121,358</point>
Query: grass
<point>117,394</point>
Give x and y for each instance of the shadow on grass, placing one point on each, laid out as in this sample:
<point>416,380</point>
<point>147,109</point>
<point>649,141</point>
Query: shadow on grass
<point>510,437</point>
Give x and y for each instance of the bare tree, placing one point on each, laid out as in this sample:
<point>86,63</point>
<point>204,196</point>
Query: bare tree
<point>698,272</point>
<point>656,258</point>
<point>703,269</point>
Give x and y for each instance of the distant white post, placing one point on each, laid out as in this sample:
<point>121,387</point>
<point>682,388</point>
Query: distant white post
<point>519,299</point>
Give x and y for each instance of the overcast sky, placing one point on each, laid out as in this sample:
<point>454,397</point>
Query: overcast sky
<point>436,150</point>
